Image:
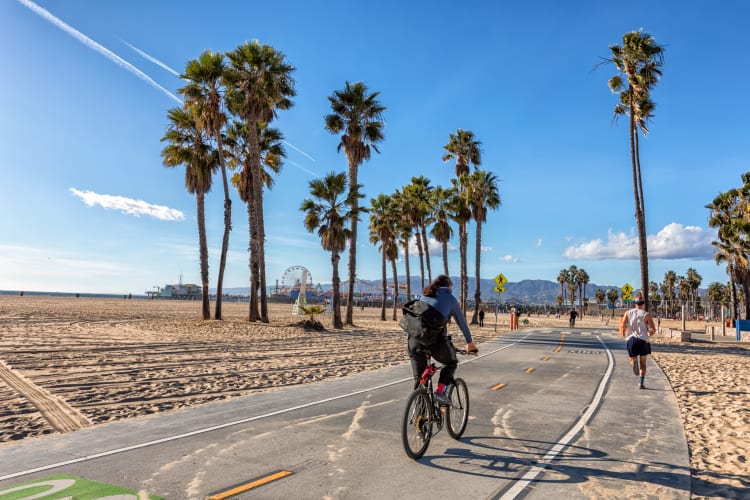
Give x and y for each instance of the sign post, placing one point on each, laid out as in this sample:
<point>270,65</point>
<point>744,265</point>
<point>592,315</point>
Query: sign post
<point>500,281</point>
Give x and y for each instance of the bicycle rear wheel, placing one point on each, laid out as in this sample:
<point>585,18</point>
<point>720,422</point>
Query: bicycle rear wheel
<point>416,429</point>
<point>458,413</point>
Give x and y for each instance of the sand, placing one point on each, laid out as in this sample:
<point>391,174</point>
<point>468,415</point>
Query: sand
<point>67,363</point>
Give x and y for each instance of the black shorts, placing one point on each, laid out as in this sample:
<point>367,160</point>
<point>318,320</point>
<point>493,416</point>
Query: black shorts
<point>638,347</point>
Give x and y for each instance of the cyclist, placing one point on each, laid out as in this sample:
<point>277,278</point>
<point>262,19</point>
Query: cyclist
<point>438,294</point>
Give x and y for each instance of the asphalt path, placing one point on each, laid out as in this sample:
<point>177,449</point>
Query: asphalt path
<point>555,413</point>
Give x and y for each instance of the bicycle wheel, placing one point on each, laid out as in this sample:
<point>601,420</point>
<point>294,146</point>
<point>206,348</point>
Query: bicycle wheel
<point>458,414</point>
<point>416,430</point>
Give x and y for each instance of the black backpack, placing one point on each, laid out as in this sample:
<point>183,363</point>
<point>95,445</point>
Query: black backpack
<point>422,321</point>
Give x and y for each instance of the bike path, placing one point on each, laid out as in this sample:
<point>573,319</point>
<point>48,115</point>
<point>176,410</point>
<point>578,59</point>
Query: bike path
<point>341,439</point>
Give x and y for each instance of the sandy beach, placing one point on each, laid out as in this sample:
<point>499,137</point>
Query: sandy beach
<point>67,363</point>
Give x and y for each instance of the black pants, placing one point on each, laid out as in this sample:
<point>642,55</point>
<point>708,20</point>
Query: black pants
<point>442,351</point>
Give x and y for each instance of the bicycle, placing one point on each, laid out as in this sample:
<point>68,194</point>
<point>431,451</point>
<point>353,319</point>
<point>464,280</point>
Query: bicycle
<point>424,417</point>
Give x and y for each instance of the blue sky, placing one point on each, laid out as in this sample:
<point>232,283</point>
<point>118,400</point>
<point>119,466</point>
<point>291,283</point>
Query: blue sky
<point>87,205</point>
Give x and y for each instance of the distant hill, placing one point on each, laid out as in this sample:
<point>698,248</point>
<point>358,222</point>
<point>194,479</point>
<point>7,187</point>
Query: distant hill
<point>524,291</point>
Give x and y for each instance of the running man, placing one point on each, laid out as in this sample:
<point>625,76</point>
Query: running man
<point>638,325</point>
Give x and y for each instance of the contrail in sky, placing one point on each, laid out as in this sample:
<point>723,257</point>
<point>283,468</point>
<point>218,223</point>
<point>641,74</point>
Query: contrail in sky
<point>96,46</point>
<point>151,58</point>
<point>298,150</point>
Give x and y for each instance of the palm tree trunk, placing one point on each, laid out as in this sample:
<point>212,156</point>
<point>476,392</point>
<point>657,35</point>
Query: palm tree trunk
<point>418,240</point>
<point>203,251</point>
<point>477,286</point>
<point>352,244</point>
<point>262,257</point>
<point>408,271</point>
<point>336,299</point>
<point>395,288</point>
<point>463,248</point>
<point>638,194</point>
<point>445,258</point>
<point>385,285</point>
<point>227,224</point>
<point>426,253</point>
<point>257,201</point>
<point>253,296</point>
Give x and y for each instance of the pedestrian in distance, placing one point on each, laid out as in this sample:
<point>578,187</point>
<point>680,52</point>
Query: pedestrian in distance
<point>481,317</point>
<point>637,326</point>
<point>573,316</point>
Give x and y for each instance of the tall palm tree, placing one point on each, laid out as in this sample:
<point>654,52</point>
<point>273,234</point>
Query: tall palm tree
<point>638,62</point>
<point>572,284</point>
<point>562,279</point>
<point>403,235</point>
<point>272,153</point>
<point>409,206</point>
<point>421,191</point>
<point>440,215</point>
<point>189,146</point>
<point>461,213</point>
<point>203,97</point>
<point>667,289</point>
<point>465,149</point>
<point>582,278</point>
<point>358,116</point>
<point>329,211</point>
<point>483,195</point>
<point>258,83</point>
<point>383,230</point>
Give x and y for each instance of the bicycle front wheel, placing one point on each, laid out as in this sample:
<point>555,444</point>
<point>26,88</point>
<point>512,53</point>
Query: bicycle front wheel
<point>416,430</point>
<point>458,413</point>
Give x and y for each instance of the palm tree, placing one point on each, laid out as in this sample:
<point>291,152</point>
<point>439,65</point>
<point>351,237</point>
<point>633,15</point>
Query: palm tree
<point>272,153</point>
<point>483,195</point>
<point>409,207</point>
<point>572,284</point>
<point>358,116</point>
<point>188,145</point>
<point>582,279</point>
<point>440,215</point>
<point>599,295</point>
<point>421,191</point>
<point>258,83</point>
<point>612,296</point>
<point>383,230</point>
<point>562,279</point>
<point>203,97</point>
<point>466,151</point>
<point>638,62</point>
<point>329,211</point>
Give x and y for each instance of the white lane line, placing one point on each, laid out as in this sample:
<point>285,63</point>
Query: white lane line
<point>86,458</point>
<point>527,478</point>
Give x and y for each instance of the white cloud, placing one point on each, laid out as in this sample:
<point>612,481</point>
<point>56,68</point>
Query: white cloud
<point>539,243</point>
<point>128,206</point>
<point>486,249</point>
<point>674,241</point>
<point>509,259</point>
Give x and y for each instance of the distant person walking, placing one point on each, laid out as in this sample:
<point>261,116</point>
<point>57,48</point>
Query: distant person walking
<point>573,316</point>
<point>481,317</point>
<point>638,326</point>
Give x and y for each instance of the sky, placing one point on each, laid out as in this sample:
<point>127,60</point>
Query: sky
<point>87,205</point>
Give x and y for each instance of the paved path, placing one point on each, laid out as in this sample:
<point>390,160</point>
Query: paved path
<point>555,413</point>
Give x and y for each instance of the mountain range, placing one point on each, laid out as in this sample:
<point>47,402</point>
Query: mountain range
<point>522,292</point>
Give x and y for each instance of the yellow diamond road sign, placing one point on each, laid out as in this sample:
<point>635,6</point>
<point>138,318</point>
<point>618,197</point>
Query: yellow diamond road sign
<point>500,289</point>
<point>627,292</point>
<point>500,279</point>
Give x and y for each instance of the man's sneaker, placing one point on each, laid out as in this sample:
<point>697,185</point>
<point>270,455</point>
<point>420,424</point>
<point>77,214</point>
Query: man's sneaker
<point>636,366</point>
<point>442,398</point>
<point>641,386</point>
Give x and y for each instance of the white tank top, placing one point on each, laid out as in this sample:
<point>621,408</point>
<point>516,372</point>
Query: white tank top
<point>636,324</point>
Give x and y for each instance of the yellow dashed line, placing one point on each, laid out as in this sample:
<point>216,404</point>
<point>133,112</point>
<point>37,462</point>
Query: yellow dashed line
<point>498,386</point>
<point>248,486</point>
<point>562,338</point>
<point>529,370</point>
<point>546,358</point>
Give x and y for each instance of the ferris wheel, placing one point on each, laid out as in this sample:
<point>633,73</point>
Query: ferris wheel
<point>296,278</point>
